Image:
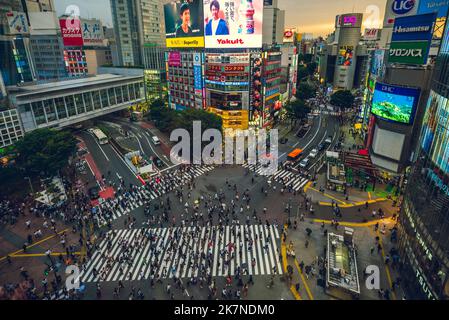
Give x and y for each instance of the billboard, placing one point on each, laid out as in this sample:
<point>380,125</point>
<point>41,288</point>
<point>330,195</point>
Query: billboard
<point>394,103</point>
<point>409,52</point>
<point>371,34</point>
<point>412,28</point>
<point>289,34</point>
<point>71,32</point>
<point>17,22</point>
<point>233,23</point>
<point>377,63</point>
<point>439,6</point>
<point>399,8</point>
<point>92,32</point>
<point>184,24</point>
<point>345,55</point>
<point>174,59</point>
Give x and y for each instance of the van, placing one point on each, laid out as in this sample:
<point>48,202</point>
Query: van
<point>156,140</point>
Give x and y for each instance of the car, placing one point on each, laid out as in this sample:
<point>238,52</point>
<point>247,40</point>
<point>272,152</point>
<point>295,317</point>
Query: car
<point>321,147</point>
<point>304,163</point>
<point>313,153</point>
<point>155,140</point>
<point>94,193</point>
<point>158,162</point>
<point>328,140</point>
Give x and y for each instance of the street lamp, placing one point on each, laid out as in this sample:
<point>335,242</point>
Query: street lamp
<point>31,186</point>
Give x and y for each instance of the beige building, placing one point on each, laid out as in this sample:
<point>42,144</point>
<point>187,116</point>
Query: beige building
<point>96,58</point>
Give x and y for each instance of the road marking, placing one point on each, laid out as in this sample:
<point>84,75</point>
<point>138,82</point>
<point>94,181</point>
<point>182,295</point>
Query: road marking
<point>309,293</point>
<point>34,244</point>
<point>127,165</point>
<point>355,224</point>
<point>149,143</point>
<point>387,268</point>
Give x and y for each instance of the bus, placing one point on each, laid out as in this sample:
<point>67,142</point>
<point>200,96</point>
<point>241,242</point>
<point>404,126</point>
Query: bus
<point>101,137</point>
<point>294,155</point>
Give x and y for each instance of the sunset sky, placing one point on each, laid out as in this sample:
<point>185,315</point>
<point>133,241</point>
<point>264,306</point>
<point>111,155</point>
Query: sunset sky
<point>311,16</point>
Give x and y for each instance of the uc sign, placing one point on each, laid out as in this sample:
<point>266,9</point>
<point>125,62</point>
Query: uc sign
<point>402,6</point>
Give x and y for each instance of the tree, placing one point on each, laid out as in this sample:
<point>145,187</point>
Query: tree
<point>158,103</point>
<point>311,68</point>
<point>45,150</point>
<point>305,91</point>
<point>343,99</point>
<point>302,73</point>
<point>297,110</point>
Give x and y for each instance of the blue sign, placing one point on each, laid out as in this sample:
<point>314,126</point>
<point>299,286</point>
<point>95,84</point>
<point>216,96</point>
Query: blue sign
<point>402,6</point>
<point>180,107</point>
<point>228,83</point>
<point>197,77</point>
<point>412,28</point>
<point>439,6</point>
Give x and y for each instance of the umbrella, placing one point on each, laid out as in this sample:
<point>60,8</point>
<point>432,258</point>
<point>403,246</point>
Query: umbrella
<point>309,231</point>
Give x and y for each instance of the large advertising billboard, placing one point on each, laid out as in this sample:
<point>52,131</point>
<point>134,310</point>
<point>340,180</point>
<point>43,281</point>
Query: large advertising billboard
<point>399,8</point>
<point>233,23</point>
<point>71,32</point>
<point>409,52</point>
<point>174,59</point>
<point>289,35</point>
<point>184,24</point>
<point>414,28</point>
<point>92,32</point>
<point>345,56</point>
<point>439,6</point>
<point>394,103</point>
<point>17,22</point>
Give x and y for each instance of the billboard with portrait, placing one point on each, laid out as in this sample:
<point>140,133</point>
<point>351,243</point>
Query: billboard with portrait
<point>184,24</point>
<point>233,23</point>
<point>394,103</point>
<point>345,56</point>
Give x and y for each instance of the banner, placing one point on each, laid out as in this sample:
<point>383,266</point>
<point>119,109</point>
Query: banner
<point>415,52</point>
<point>345,55</point>
<point>289,34</point>
<point>419,27</point>
<point>233,23</point>
<point>17,22</point>
<point>92,32</point>
<point>371,34</point>
<point>71,34</point>
<point>184,24</point>
<point>439,6</point>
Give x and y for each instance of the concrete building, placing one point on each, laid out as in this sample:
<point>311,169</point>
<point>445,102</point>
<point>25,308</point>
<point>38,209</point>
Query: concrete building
<point>64,103</point>
<point>10,128</point>
<point>96,58</point>
<point>135,24</point>
<point>273,23</point>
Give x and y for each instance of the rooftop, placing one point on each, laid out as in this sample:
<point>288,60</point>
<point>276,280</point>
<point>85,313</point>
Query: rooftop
<point>67,84</point>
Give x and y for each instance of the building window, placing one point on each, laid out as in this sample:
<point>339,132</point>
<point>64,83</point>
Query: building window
<point>70,105</point>
<point>60,108</point>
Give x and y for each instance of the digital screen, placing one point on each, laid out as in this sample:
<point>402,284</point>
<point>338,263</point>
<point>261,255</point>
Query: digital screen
<point>345,55</point>
<point>395,103</point>
<point>233,23</point>
<point>184,24</point>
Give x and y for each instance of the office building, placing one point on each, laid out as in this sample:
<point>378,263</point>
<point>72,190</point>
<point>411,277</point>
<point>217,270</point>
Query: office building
<point>273,23</point>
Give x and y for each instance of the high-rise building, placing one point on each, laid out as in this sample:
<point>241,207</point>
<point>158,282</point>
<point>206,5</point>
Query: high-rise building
<point>273,23</point>
<point>424,219</point>
<point>137,23</point>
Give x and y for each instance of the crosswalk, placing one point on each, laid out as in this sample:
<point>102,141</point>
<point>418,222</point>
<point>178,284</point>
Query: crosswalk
<point>288,178</point>
<point>184,252</point>
<point>114,208</point>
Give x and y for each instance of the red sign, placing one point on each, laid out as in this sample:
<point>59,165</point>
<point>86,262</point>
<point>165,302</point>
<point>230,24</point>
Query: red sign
<point>234,68</point>
<point>72,35</point>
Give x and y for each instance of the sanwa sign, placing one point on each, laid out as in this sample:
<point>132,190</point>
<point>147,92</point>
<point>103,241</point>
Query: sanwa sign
<point>414,28</point>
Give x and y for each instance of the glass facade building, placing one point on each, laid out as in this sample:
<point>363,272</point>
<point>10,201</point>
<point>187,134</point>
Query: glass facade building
<point>424,220</point>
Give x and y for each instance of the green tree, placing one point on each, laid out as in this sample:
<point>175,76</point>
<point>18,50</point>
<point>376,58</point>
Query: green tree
<point>302,73</point>
<point>311,68</point>
<point>343,99</point>
<point>305,91</point>
<point>158,103</point>
<point>297,110</point>
<point>45,150</point>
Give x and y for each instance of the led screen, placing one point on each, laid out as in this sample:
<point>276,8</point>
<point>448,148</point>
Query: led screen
<point>394,103</point>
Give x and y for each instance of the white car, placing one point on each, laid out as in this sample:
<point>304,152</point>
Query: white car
<point>304,163</point>
<point>155,140</point>
<point>313,153</point>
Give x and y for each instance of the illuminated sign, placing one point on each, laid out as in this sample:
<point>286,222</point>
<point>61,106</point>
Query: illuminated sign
<point>233,23</point>
<point>184,24</point>
<point>413,28</point>
<point>71,32</point>
<point>402,6</point>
